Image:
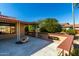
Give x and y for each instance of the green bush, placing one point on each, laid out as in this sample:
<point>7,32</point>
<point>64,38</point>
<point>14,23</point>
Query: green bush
<point>31,28</point>
<point>26,28</point>
<point>43,30</point>
<point>75,52</point>
<point>55,38</point>
<point>71,31</point>
<point>63,30</point>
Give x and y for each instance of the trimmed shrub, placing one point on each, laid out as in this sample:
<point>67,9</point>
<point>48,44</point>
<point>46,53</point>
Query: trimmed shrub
<point>55,38</point>
<point>75,52</point>
<point>71,31</point>
<point>63,30</point>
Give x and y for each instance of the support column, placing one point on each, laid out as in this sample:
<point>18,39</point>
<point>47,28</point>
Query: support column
<point>18,30</point>
<point>36,32</point>
<point>10,29</point>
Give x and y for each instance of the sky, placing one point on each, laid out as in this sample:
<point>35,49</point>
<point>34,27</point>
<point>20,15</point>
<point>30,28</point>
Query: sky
<point>32,12</point>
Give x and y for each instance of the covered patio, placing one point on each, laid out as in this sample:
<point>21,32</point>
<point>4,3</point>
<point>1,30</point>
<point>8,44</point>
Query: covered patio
<point>9,37</point>
<point>11,27</point>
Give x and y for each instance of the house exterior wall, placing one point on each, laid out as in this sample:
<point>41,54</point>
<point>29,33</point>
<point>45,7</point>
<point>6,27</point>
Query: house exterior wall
<point>6,32</point>
<point>19,31</point>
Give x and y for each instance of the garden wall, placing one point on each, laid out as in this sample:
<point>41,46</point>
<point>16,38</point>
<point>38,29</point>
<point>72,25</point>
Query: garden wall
<point>44,36</point>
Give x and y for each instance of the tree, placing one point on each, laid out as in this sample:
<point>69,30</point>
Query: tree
<point>26,29</point>
<point>50,25</point>
<point>73,9</point>
<point>30,28</point>
<point>75,52</point>
<point>71,31</point>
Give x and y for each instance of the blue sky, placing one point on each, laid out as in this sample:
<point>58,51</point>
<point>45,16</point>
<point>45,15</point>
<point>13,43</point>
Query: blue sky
<point>35,11</point>
<point>76,15</point>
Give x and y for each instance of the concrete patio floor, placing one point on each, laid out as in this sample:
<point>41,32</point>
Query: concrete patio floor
<point>10,48</point>
<point>35,47</point>
<point>51,49</point>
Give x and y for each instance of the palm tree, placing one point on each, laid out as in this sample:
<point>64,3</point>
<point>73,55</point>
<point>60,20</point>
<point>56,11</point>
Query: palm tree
<point>73,15</point>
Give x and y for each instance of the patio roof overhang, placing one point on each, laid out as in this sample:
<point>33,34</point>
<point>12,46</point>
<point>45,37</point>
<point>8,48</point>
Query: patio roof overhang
<point>7,19</point>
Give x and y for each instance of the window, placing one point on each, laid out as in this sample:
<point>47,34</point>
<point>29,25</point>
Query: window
<point>7,29</point>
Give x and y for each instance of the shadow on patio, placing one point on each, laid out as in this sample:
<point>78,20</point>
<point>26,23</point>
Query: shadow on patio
<point>8,47</point>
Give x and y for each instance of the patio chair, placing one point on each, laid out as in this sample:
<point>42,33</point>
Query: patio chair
<point>23,40</point>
